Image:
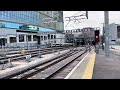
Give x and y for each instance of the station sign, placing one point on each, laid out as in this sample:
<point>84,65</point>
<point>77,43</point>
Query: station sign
<point>30,27</point>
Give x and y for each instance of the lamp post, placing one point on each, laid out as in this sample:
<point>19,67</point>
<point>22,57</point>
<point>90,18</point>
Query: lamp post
<point>27,41</point>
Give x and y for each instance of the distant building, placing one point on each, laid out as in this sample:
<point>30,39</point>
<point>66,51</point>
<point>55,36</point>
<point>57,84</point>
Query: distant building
<point>84,35</point>
<point>89,33</point>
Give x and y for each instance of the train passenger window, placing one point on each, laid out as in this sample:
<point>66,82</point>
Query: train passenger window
<point>41,37</point>
<point>44,38</point>
<point>48,36</point>
<point>54,36</point>
<point>12,39</point>
<point>29,37</point>
<point>51,36</point>
<point>21,38</point>
<point>34,37</point>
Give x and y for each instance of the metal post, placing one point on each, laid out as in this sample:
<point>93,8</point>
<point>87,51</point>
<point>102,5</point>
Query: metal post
<point>102,38</point>
<point>27,41</point>
<point>106,18</point>
<point>39,54</point>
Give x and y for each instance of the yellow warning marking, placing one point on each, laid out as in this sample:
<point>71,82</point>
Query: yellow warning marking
<point>89,70</point>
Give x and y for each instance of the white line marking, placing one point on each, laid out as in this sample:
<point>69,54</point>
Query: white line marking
<point>75,67</point>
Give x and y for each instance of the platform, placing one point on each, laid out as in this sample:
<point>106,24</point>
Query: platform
<point>107,67</point>
<point>97,66</point>
<point>83,70</point>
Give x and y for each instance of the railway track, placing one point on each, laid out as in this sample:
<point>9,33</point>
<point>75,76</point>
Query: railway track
<point>61,74</point>
<point>19,56</point>
<point>54,69</point>
<point>47,69</point>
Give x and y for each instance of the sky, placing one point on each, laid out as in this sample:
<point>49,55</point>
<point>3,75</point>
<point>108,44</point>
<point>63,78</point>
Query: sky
<point>95,19</point>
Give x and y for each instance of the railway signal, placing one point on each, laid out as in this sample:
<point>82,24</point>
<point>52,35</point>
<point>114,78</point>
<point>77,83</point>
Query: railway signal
<point>96,41</point>
<point>97,37</point>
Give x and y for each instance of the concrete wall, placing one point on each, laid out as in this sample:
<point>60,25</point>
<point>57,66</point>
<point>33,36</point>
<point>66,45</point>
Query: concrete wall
<point>112,33</point>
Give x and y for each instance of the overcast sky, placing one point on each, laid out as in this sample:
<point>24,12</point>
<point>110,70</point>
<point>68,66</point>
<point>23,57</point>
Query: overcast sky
<point>95,19</point>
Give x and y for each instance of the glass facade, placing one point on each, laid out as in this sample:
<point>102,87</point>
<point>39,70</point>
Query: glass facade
<point>10,25</point>
<point>30,17</point>
<point>24,19</point>
<point>46,29</point>
<point>24,27</point>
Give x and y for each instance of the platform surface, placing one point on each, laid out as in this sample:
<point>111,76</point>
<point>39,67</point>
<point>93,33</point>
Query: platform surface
<point>107,67</point>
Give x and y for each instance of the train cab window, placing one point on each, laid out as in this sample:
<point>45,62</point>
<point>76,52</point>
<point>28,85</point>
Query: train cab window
<point>34,37</point>
<point>12,39</point>
<point>21,38</point>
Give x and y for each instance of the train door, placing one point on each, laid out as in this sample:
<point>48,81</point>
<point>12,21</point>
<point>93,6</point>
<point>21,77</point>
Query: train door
<point>38,40</point>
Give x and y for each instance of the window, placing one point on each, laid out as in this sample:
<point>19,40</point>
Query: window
<point>12,39</point>
<point>41,37</point>
<point>54,36</point>
<point>45,37</point>
<point>34,37</point>
<point>51,36</point>
<point>28,37</point>
<point>21,38</point>
<point>48,36</point>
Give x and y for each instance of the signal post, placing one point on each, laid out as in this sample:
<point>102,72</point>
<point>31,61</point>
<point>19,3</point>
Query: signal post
<point>97,38</point>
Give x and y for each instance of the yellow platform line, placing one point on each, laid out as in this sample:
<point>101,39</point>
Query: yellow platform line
<point>89,70</point>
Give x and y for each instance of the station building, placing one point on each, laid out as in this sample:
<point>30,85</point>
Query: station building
<point>27,28</point>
